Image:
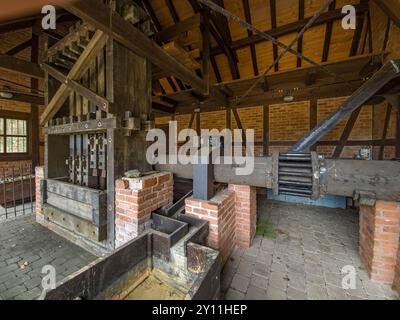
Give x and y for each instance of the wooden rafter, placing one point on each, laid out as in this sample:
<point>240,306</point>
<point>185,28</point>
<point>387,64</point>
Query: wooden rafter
<point>253,53</point>
<point>300,41</point>
<point>273,25</point>
<point>385,131</point>
<point>346,133</point>
<point>357,34</point>
<point>91,51</point>
<point>20,66</point>
<point>99,15</point>
<point>21,47</point>
<point>178,28</point>
<point>391,8</point>
<point>328,35</point>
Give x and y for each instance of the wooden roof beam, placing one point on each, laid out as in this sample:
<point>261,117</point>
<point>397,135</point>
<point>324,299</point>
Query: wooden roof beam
<point>178,28</point>
<point>391,8</point>
<point>20,66</point>
<point>98,14</point>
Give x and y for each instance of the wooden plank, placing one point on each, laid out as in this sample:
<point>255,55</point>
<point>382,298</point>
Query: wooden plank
<point>180,54</point>
<point>253,53</point>
<point>35,134</point>
<point>95,45</point>
<point>17,49</point>
<point>328,35</point>
<point>391,8</point>
<point>20,66</point>
<point>385,131</point>
<point>346,133</point>
<point>178,28</point>
<point>266,130</point>
<point>300,41</point>
<point>98,15</point>
<point>84,127</point>
<point>24,97</point>
<point>205,33</point>
<point>89,94</point>
<point>273,25</point>
<point>313,117</point>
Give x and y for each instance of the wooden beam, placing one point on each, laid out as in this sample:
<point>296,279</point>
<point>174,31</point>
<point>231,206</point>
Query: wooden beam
<point>239,124</point>
<point>92,96</point>
<point>398,133</point>
<point>35,134</point>
<point>172,11</point>
<point>300,41</point>
<point>313,117</point>
<point>205,34</point>
<point>20,66</point>
<point>23,97</point>
<point>385,130</point>
<point>273,25</point>
<point>328,35</point>
<point>99,15</point>
<point>266,130</point>
<point>178,28</point>
<point>391,8</point>
<point>91,51</point>
<point>290,28</point>
<point>357,35</point>
<point>346,133</point>
<point>253,53</point>
<point>21,47</point>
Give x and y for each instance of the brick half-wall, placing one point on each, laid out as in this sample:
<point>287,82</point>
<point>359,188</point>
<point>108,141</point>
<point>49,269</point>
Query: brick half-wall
<point>246,214</point>
<point>39,176</point>
<point>379,239</point>
<point>220,213</point>
<point>136,199</point>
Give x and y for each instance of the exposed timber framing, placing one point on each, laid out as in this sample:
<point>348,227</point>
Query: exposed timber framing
<point>178,28</point>
<point>391,9</point>
<point>17,49</point>
<point>96,44</point>
<point>266,142</point>
<point>385,130</point>
<point>99,15</point>
<point>346,133</point>
<point>20,66</point>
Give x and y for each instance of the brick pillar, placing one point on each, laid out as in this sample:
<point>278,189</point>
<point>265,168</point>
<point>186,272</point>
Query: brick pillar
<point>379,239</point>
<point>246,214</point>
<point>39,176</point>
<point>136,199</point>
<point>220,213</point>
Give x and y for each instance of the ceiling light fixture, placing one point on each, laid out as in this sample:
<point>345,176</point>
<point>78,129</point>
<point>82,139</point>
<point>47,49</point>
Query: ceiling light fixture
<point>6,95</point>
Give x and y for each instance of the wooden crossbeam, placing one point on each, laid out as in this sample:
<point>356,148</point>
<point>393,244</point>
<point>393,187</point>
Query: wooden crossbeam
<point>20,66</point>
<point>17,49</point>
<point>99,15</point>
<point>346,133</point>
<point>94,47</point>
<point>23,97</point>
<point>178,28</point>
<point>385,131</point>
<point>79,88</point>
<point>253,53</point>
<point>391,8</point>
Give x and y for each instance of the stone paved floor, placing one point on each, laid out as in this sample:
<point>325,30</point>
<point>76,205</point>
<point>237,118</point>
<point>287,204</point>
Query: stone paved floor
<point>25,247</point>
<point>303,261</point>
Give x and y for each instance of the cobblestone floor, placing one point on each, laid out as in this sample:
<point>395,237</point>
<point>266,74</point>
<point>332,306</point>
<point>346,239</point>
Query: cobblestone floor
<point>303,260</point>
<point>25,247</point>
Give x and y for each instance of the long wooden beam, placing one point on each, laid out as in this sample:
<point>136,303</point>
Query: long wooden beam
<point>176,29</point>
<point>391,9</point>
<point>80,67</point>
<point>17,49</point>
<point>291,28</point>
<point>20,66</point>
<point>23,97</point>
<point>100,16</point>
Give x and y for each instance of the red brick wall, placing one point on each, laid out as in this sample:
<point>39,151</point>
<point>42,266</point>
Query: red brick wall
<point>136,199</point>
<point>379,239</point>
<point>220,213</point>
<point>246,214</point>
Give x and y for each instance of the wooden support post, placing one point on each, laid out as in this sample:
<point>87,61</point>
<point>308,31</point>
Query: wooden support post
<point>398,133</point>
<point>266,130</point>
<point>313,117</point>
<point>35,137</point>
<point>385,131</point>
<point>346,133</point>
<point>205,33</point>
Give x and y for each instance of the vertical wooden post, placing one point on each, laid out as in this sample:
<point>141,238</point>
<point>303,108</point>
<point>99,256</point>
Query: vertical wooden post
<point>266,131</point>
<point>398,133</point>
<point>34,107</point>
<point>205,32</point>
<point>313,117</point>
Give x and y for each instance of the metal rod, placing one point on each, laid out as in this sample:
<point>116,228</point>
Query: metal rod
<point>30,186</point>
<point>21,169</point>
<point>268,37</point>
<point>4,192</point>
<point>388,72</point>
<point>13,189</point>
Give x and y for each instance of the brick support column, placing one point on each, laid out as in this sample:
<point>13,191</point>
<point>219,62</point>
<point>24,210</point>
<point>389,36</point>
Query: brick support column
<point>246,214</point>
<point>136,199</point>
<point>220,213</point>
<point>39,176</point>
<point>379,239</point>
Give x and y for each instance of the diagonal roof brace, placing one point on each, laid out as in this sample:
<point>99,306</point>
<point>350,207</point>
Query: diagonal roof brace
<point>387,73</point>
